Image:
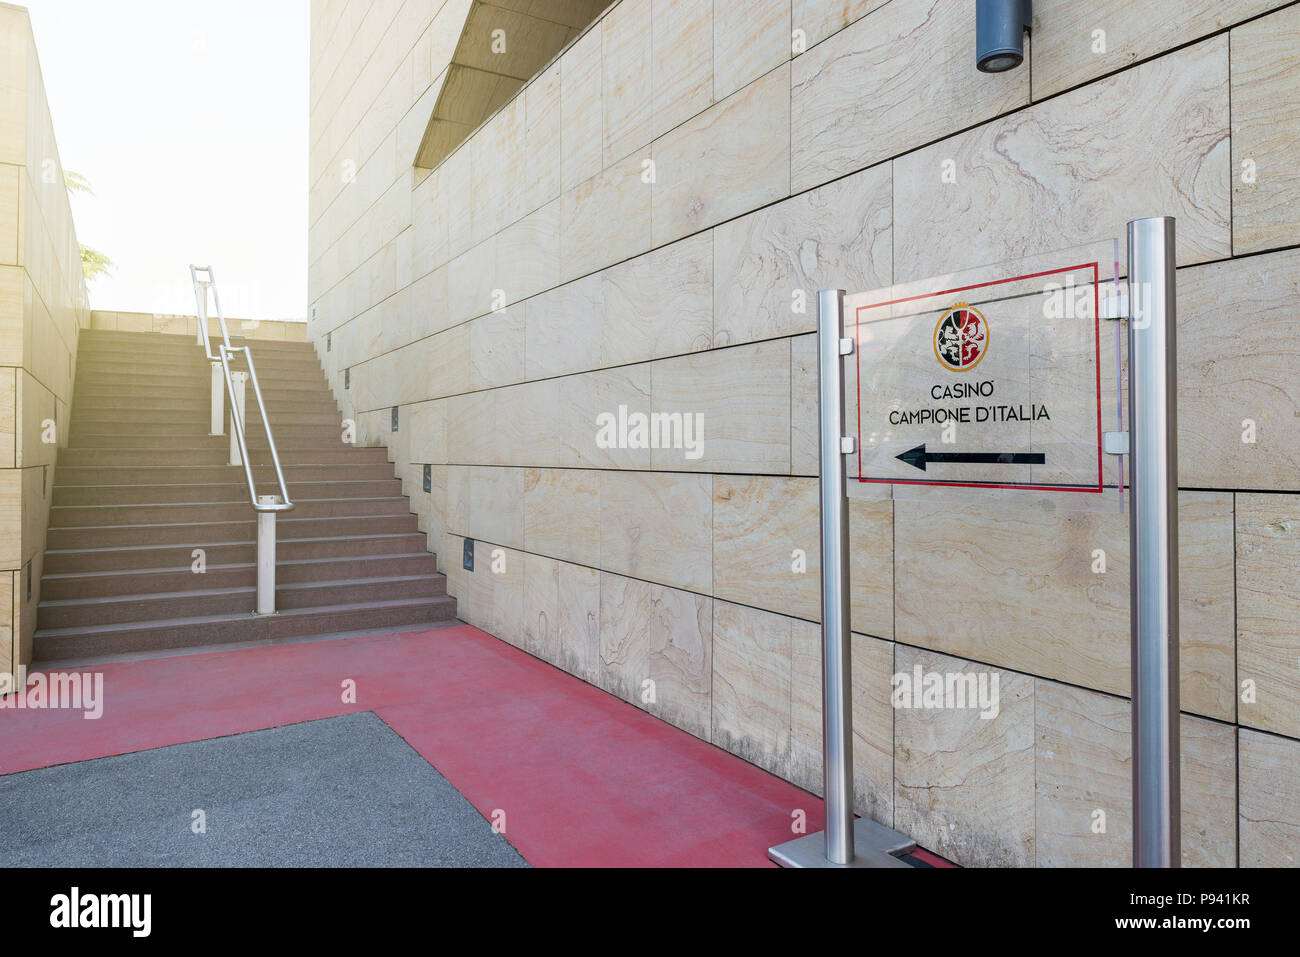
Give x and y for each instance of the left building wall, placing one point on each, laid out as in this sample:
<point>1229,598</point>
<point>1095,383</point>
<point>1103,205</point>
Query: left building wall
<point>43,306</point>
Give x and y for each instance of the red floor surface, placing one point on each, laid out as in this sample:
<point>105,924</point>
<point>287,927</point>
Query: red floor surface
<point>582,778</point>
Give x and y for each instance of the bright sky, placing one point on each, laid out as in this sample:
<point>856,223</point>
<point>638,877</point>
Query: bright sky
<point>189,119</point>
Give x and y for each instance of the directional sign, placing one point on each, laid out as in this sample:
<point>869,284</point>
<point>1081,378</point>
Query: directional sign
<point>990,378</point>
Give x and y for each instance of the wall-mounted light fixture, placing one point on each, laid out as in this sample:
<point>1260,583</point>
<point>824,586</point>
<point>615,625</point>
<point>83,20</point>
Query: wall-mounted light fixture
<point>1000,27</point>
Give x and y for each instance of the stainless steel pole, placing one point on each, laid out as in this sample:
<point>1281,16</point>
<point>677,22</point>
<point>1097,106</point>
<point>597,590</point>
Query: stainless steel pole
<point>266,556</point>
<point>837,674</point>
<point>1153,539</point>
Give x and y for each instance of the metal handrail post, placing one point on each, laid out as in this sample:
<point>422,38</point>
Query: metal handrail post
<point>237,399</point>
<point>266,555</point>
<point>1153,540</point>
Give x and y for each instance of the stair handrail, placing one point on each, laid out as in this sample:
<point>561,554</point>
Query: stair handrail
<point>224,351</point>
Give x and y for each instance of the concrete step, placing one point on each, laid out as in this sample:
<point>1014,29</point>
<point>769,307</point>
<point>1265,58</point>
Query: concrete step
<point>286,437</point>
<point>196,534</point>
<point>136,474</point>
<point>145,581</point>
<point>191,632</point>
<point>69,516</point>
<point>136,557</point>
<point>235,491</point>
<point>196,405</point>
<point>201,602</point>
<point>215,454</point>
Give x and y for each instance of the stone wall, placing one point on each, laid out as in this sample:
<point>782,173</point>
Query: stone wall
<point>43,305</point>
<point>631,229</point>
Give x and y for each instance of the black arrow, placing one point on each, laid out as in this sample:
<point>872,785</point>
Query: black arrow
<point>918,457</point>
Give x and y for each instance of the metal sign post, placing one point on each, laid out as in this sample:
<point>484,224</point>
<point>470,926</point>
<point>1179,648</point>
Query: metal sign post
<point>845,842</point>
<point>1153,539</point>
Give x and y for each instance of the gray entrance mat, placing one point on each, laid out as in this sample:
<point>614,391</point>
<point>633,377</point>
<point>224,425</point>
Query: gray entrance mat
<point>339,792</point>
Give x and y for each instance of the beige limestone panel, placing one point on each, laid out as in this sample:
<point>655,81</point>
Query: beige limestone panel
<point>626,610</point>
<point>646,317</point>
<point>658,527</point>
<point>428,428</point>
<point>527,255</point>
<point>1029,597</point>
<point>682,72</point>
<point>626,82</point>
<point>1067,49</point>
<point>728,160</point>
<point>8,420</point>
<point>564,329</point>
<point>771,263</point>
<point>964,785</point>
<point>871,566</point>
<point>899,77</point>
<point>1039,179</point>
<point>748,40</point>
<point>541,606</point>
<point>759,523</point>
<point>679,660</point>
<point>562,514</point>
<point>605,219</point>
<point>1083,761</point>
<point>581,110</point>
<point>804,424</point>
<point>496,348</point>
<point>1268,610</point>
<point>542,137</point>
<point>740,396</point>
<point>818,19</point>
<point>752,685</point>
<point>1238,343</point>
<point>496,505</point>
<point>583,399</point>
<point>1270,800</point>
<point>579,628</point>
<point>9,203</point>
<point>1265,130</point>
<point>8,660</point>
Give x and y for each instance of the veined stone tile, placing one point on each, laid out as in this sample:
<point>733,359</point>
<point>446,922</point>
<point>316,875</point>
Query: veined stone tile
<point>1238,343</point>
<point>626,81</point>
<point>626,610</point>
<point>759,522</point>
<point>645,317</point>
<point>835,237</point>
<point>1268,610</point>
<point>496,510</point>
<point>441,363</point>
<point>582,123</point>
<point>752,685</point>
<point>1068,50</point>
<point>1265,130</point>
<point>679,661</point>
<point>541,607</point>
<point>1270,800</point>
<point>579,628</point>
<point>818,19</point>
<point>741,396</point>
<point>605,219</point>
<point>682,71</point>
<point>584,399</point>
<point>964,785</point>
<point>564,328</point>
<point>527,254</point>
<point>1039,607</point>
<point>871,565</point>
<point>1084,766</point>
<point>657,527</point>
<point>427,424</point>
<point>805,441</point>
<point>1039,180</point>
<point>455,192</point>
<point>562,514</point>
<point>496,348</point>
<point>471,279</point>
<point>542,112</point>
<point>897,78</point>
<point>748,40</point>
<point>726,161</point>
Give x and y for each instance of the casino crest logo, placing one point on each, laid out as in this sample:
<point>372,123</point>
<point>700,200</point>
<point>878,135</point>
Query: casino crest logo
<point>961,337</point>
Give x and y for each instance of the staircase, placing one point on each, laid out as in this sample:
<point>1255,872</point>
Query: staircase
<point>141,485</point>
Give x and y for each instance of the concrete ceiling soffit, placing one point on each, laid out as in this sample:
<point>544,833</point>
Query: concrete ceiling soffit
<point>503,45</point>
